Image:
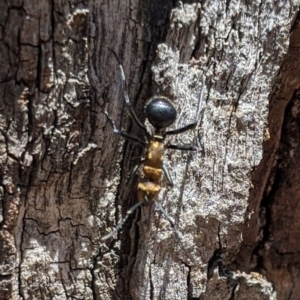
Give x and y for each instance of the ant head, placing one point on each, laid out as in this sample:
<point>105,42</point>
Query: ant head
<point>160,112</point>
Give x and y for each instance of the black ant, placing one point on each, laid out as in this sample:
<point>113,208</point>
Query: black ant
<point>160,113</point>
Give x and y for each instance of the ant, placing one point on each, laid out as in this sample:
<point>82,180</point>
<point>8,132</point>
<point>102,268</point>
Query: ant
<point>160,113</point>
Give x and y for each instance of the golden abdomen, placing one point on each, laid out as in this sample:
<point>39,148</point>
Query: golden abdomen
<point>155,154</point>
<point>148,190</point>
<point>149,182</point>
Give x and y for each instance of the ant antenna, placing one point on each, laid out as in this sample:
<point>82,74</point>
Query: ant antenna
<point>126,97</point>
<point>121,132</point>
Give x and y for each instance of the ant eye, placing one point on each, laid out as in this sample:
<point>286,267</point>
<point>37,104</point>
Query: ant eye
<point>160,112</point>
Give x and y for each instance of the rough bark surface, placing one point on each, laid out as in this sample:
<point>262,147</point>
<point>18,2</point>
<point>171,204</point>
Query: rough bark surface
<point>271,241</point>
<point>65,175</point>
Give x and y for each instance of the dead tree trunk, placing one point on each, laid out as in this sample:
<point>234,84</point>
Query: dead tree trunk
<point>65,175</point>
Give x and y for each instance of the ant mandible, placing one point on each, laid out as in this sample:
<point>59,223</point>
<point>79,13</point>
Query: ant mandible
<point>160,113</point>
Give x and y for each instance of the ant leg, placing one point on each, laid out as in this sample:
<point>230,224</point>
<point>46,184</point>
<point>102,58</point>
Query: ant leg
<point>168,175</point>
<point>122,133</point>
<point>133,173</point>
<point>182,147</point>
<point>120,225</point>
<point>126,97</point>
<point>183,129</point>
<point>194,124</point>
<point>165,214</point>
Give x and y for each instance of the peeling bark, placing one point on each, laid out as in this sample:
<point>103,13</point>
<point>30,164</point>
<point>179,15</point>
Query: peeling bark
<point>65,175</point>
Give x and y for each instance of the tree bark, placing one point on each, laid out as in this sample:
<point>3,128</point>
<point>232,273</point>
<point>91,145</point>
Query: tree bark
<point>65,176</point>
